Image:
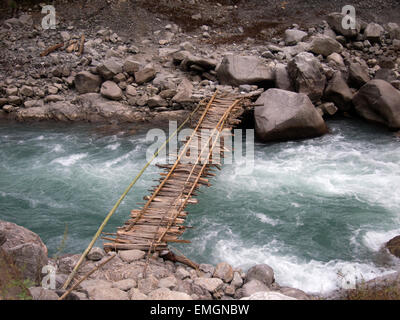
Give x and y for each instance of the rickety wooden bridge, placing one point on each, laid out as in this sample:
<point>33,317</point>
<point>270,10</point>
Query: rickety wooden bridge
<point>161,219</point>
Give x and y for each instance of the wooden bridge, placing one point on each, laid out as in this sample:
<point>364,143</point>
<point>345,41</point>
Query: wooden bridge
<point>161,219</point>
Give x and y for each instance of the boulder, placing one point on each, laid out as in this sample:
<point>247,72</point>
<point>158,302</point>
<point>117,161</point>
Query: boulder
<point>110,90</point>
<point>378,101</point>
<point>261,272</point>
<point>294,36</point>
<point>336,59</point>
<point>224,272</point>
<point>339,92</point>
<point>294,293</point>
<point>204,63</point>
<point>145,75</point>
<point>335,20</point>
<point>166,294</point>
<point>325,45</point>
<point>110,68</point>
<point>25,248</point>
<point>282,77</point>
<point>286,115</point>
<point>250,288</point>
<point>307,75</point>
<point>268,296</point>
<point>209,284</point>
<point>102,293</point>
<point>96,254</point>
<point>236,70</point>
<point>358,75</point>
<point>373,32</point>
<point>184,92</point>
<point>393,246</point>
<point>131,66</point>
<point>386,74</point>
<point>394,30</point>
<point>86,82</point>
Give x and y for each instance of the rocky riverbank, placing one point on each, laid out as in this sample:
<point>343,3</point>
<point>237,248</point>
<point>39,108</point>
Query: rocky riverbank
<point>163,73</point>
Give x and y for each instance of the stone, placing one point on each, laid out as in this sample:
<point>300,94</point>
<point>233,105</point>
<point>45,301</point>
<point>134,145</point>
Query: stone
<point>236,70</point>
<point>294,36</point>
<point>335,20</point>
<point>156,101</point>
<point>53,98</point>
<point>181,273</point>
<point>307,75</point>
<point>378,101</point>
<point>108,294</point>
<point>209,284</point>
<point>167,294</point>
<point>385,74</point>
<point>33,103</point>
<point>25,248</point>
<point>394,30</point>
<point>184,92</point>
<point>40,293</point>
<point>336,58</point>
<point>237,280</point>
<point>26,19</point>
<point>131,255</point>
<point>328,108</point>
<point>325,45</point>
<point>294,293</point>
<point>125,284</point>
<point>26,91</point>
<point>110,90</point>
<point>9,108</point>
<point>191,60</point>
<point>393,246</point>
<point>224,272</point>
<point>12,91</point>
<point>86,82</point>
<point>268,296</point>
<point>88,285</point>
<point>339,92</point>
<point>145,75</point>
<point>358,75</point>
<point>261,272</point>
<point>96,254</point>
<point>15,100</point>
<point>65,36</point>
<point>109,68</point>
<point>207,268</point>
<point>135,294</point>
<point>147,285</point>
<point>284,115</point>
<point>131,66</point>
<point>282,78</point>
<point>251,287</point>
<point>373,32</point>
<point>168,282</point>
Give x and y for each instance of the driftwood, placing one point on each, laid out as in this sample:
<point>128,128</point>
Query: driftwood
<point>181,259</point>
<point>51,49</point>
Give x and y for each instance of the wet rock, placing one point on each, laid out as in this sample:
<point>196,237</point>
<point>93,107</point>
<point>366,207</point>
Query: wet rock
<point>166,294</point>
<point>26,249</point>
<point>285,115</point>
<point>268,296</point>
<point>251,287</point>
<point>339,92</point>
<point>358,75</point>
<point>294,36</point>
<point>325,45</point>
<point>131,255</point>
<point>39,293</point>
<point>236,70</point>
<point>307,75</point>
<point>261,272</point>
<point>328,109</point>
<point>86,82</point>
<point>110,90</point>
<point>378,101</point>
<point>224,272</point>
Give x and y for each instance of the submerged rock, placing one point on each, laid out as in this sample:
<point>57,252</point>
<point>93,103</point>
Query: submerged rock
<point>286,115</point>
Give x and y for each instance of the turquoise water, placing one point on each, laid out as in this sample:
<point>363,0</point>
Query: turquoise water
<point>310,209</point>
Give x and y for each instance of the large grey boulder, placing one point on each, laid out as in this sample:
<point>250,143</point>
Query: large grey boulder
<point>358,75</point>
<point>294,36</point>
<point>286,115</point>
<point>86,82</point>
<point>378,101</point>
<point>110,90</point>
<point>261,272</point>
<point>236,70</point>
<point>373,32</point>
<point>307,75</point>
<point>26,249</point>
<point>335,20</point>
<point>325,45</point>
<point>339,92</point>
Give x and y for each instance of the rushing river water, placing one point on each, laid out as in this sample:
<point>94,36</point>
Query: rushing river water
<point>310,209</point>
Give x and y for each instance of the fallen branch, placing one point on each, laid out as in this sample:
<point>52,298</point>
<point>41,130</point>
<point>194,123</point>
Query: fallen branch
<point>182,259</point>
<point>51,49</point>
<point>85,277</point>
